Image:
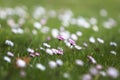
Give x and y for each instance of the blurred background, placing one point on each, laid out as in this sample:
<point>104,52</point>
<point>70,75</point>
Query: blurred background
<point>83,7</point>
<point>96,18</point>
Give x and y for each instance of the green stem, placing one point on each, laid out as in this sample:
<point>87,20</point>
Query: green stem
<point>96,77</point>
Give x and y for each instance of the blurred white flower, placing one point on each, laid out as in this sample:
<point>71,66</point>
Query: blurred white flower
<point>37,25</point>
<point>17,30</point>
<point>86,77</point>
<point>65,34</point>
<point>85,44</point>
<point>67,43</point>
<point>3,14</point>
<point>41,48</point>
<point>92,60</point>
<point>7,59</point>
<point>49,51</point>
<point>38,12</point>
<point>9,42</point>
<point>100,40</point>
<point>30,50</point>
<point>78,33</point>
<point>93,71</point>
<point>109,23</point>
<point>21,21</point>
<point>43,21</point>
<point>46,45</point>
<point>99,67</point>
<point>103,73</point>
<point>54,50</point>
<point>52,64</point>
<point>113,44</point>
<point>73,21</point>
<point>103,12</point>
<point>45,29</point>
<point>112,72</point>
<point>60,51</point>
<point>92,39</point>
<point>11,23</point>
<point>40,66</point>
<point>113,52</point>
<point>52,13</point>
<point>79,62</point>
<point>66,17</point>
<point>34,31</point>
<point>82,22</point>
<point>66,75</point>
<point>95,28</point>
<point>72,42</point>
<point>55,32</point>
<point>20,11</point>
<point>93,21</point>
<point>10,54</point>
<point>59,62</point>
<point>21,63</point>
<point>78,47</point>
<point>74,37</point>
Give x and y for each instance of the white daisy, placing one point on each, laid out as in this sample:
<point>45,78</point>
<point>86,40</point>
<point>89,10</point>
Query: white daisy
<point>7,59</point>
<point>40,66</point>
<point>79,62</point>
<point>52,64</point>
<point>21,63</point>
<point>9,42</point>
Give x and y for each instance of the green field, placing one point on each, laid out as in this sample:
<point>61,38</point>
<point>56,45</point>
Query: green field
<point>101,17</point>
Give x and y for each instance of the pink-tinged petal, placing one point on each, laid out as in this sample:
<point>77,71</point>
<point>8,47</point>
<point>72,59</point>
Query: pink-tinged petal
<point>112,72</point>
<point>86,77</point>
<point>43,21</point>
<point>99,67</point>
<point>92,60</point>
<point>54,51</point>
<point>37,54</point>
<point>10,54</point>
<point>32,54</point>
<point>60,38</point>
<point>20,63</point>
<point>72,42</point>
<point>93,71</point>
<point>60,52</point>
<point>48,38</point>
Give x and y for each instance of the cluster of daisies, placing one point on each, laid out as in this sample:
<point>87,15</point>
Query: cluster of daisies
<point>66,18</point>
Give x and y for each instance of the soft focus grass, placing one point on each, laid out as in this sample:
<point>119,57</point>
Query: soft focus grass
<point>86,8</point>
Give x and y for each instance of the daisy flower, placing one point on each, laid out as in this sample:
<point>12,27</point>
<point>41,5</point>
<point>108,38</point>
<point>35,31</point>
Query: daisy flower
<point>72,42</point>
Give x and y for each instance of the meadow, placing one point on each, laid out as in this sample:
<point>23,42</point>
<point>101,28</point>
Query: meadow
<point>59,40</point>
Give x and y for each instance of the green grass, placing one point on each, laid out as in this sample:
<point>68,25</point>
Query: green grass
<point>85,8</point>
